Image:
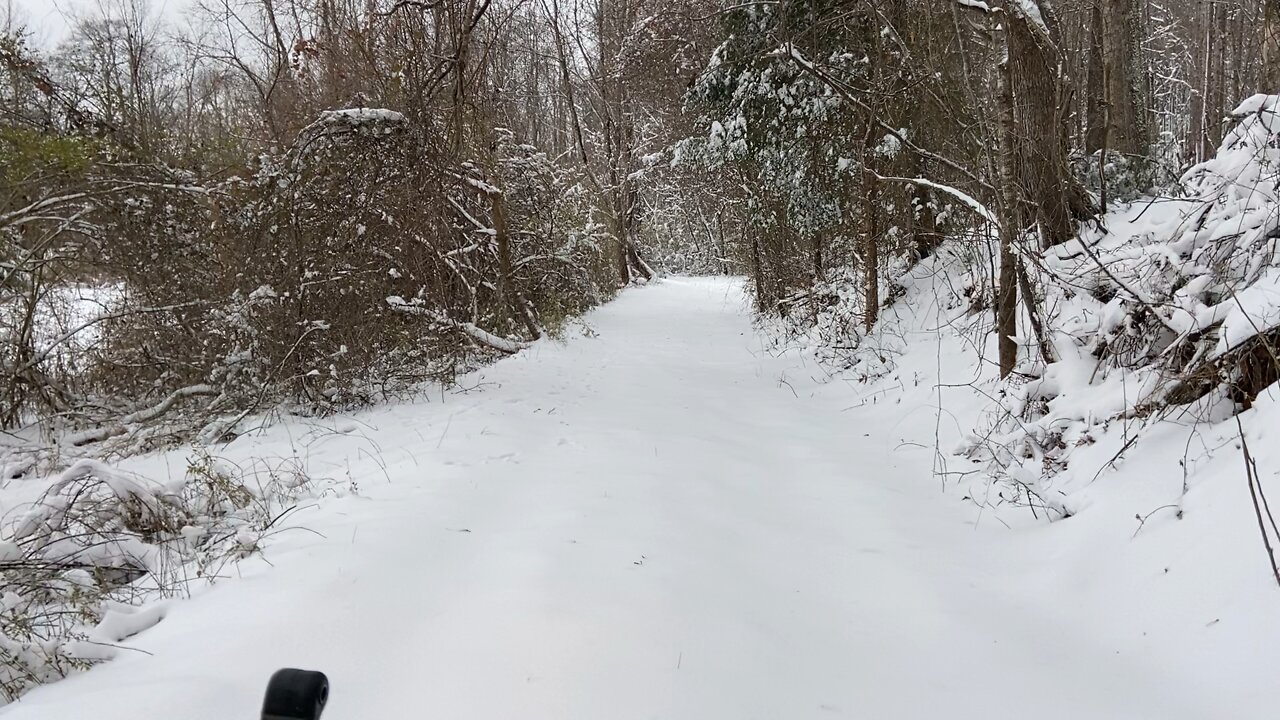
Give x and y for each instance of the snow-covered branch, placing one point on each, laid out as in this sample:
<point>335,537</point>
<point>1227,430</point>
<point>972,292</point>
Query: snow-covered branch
<point>146,414</point>
<point>470,218</point>
<point>480,335</point>
<point>960,195</point>
<point>24,213</point>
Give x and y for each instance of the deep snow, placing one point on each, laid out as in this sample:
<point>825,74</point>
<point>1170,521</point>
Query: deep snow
<point>661,519</point>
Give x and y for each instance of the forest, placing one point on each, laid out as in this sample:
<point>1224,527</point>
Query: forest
<point>320,203</point>
<point>231,214</point>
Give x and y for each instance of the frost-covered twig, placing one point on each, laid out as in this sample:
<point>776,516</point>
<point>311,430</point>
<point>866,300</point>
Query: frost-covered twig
<point>1142,519</point>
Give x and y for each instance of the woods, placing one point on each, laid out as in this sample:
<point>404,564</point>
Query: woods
<point>875,127</point>
<point>246,216</point>
<point>321,203</point>
<point>316,204</point>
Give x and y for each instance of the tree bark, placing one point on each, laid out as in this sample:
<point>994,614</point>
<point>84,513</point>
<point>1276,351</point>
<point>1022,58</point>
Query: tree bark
<point>1006,300</point>
<point>924,228</point>
<point>757,268</point>
<point>871,252</point>
<point>1217,95</point>
<point>1096,88</point>
<point>498,204</point>
<point>1042,98</point>
<point>1128,130</point>
<point>1195,128</point>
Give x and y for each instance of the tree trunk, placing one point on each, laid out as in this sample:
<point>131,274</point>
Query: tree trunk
<point>1122,33</point>
<point>1195,125</point>
<point>637,263</point>
<point>1217,95</point>
<point>757,267</point>
<point>1042,95</point>
<point>1096,88</point>
<point>1208,106</point>
<point>461,51</point>
<point>924,228</point>
<point>819,273</point>
<point>503,239</point>
<point>871,251</point>
<point>722,246</point>
<point>1006,304</point>
<point>621,260</point>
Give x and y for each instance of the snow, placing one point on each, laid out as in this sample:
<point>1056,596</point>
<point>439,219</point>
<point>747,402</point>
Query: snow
<point>669,517</point>
<point>1170,283</point>
<point>1255,103</point>
<point>965,198</point>
<point>890,145</point>
<point>1253,310</point>
<point>482,186</point>
<point>121,622</point>
<point>1030,9</point>
<point>362,115</point>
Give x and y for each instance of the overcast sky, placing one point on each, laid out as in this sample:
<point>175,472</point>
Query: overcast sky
<point>47,19</point>
<point>43,17</point>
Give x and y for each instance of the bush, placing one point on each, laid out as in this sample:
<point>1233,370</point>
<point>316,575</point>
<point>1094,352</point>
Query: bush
<point>79,566</point>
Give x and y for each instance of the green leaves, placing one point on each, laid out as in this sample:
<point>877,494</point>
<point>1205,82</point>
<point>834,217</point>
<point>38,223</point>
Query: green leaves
<point>29,155</point>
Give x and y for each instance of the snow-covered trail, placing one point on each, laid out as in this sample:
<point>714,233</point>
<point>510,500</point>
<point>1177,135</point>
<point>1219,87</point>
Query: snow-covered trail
<point>662,521</point>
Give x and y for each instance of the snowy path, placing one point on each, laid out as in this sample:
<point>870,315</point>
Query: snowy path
<point>644,524</point>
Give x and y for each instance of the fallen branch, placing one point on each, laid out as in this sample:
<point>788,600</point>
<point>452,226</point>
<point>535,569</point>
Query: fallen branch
<point>140,416</point>
<point>471,330</point>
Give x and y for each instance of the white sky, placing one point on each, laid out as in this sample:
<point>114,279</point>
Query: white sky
<point>47,19</point>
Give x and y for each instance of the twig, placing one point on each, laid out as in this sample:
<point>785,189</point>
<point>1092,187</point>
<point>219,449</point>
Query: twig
<point>1142,519</point>
<point>1259,500</point>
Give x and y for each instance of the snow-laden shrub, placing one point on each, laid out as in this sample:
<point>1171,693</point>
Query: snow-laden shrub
<point>1180,285</point>
<point>561,263</point>
<point>1171,307</point>
<point>270,290</point>
<point>81,568</point>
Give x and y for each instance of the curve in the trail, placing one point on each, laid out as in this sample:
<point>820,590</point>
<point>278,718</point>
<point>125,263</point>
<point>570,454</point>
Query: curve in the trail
<point>658,519</point>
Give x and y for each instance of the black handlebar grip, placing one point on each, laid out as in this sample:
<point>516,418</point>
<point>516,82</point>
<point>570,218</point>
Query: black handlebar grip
<point>295,695</point>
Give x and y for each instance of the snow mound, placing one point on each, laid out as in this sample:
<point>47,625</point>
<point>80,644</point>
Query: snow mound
<point>361,115</point>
